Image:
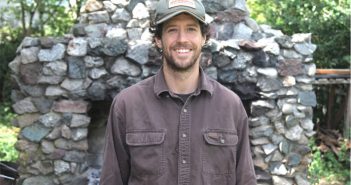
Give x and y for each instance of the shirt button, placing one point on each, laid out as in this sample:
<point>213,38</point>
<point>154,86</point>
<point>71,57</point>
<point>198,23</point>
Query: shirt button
<point>184,161</point>
<point>185,110</point>
<point>184,135</point>
<point>222,141</point>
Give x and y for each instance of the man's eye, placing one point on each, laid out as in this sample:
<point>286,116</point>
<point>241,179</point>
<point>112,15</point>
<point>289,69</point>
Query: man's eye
<point>172,30</point>
<point>191,29</point>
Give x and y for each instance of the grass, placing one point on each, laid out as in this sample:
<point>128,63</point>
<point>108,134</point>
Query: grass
<point>8,134</point>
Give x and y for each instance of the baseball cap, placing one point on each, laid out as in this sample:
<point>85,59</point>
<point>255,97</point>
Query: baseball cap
<point>167,9</point>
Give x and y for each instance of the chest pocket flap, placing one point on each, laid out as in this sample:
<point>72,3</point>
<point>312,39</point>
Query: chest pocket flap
<point>221,137</point>
<point>144,138</point>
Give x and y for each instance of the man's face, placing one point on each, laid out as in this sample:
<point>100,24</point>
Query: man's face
<point>181,42</point>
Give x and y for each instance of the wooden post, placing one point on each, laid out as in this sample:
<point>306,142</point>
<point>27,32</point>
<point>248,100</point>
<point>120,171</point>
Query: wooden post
<point>347,122</point>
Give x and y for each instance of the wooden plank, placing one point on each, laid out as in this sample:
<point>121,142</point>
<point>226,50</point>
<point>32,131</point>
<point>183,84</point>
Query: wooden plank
<point>333,71</point>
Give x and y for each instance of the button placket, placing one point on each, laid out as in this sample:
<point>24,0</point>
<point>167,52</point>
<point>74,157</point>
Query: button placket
<point>184,146</point>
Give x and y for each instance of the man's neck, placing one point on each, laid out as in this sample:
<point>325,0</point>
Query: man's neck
<point>182,82</point>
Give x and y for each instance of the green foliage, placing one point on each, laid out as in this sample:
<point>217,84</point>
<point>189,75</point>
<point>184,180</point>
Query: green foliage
<point>329,166</point>
<point>327,20</point>
<point>8,134</point>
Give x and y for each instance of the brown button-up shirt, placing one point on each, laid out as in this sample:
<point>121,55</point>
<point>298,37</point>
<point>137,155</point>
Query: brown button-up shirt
<point>155,138</point>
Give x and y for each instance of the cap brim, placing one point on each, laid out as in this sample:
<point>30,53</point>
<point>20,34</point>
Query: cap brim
<point>177,13</point>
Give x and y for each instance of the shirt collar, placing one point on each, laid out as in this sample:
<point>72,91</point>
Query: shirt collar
<point>160,85</point>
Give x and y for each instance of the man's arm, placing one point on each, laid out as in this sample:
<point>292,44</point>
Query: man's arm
<point>115,169</point>
<point>245,172</point>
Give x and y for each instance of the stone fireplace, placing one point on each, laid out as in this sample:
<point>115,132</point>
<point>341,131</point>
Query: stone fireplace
<point>63,87</point>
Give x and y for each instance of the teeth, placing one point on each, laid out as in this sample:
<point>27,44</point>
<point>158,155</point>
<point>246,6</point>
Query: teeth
<point>183,50</point>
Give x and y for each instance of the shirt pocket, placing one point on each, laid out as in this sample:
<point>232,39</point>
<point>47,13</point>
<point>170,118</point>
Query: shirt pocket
<point>219,152</point>
<point>146,152</point>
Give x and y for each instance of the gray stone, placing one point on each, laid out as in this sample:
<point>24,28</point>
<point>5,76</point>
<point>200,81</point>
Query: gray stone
<point>24,106</point>
<point>277,156</point>
<point>291,54</point>
<point>260,141</point>
<point>26,119</point>
<point>149,70</point>
<point>57,52</point>
<point>280,127</point>
<point>211,72</point>
<point>79,120</point>
<point>29,55</point>
<point>66,132</point>
<point>269,148</point>
<point>14,65</point>
<point>109,6</point>
<point>305,48</point>
<point>301,37</point>
<point>301,179</point>
<point>260,107</point>
<point>51,80</point>
<point>134,33</point>
<point>269,72</point>
<point>91,61</point>
<point>279,169</point>
<point>30,73</point>
<point>61,167</point>
<point>271,32</point>
<point>277,180</point>
<point>293,159</point>
<point>261,131</point>
<point>269,84</point>
<point>276,138</point>
<point>97,91</point>
<point>240,62</point>
<point>114,46</point>
<point>35,132</point>
<point>47,146</point>
<point>140,12</point>
<point>138,51</point>
<point>220,59</point>
<point>224,31</point>
<point>97,73</point>
<point>227,76</point>
<point>73,85</point>
<point>55,68</point>
<point>294,133</point>
<point>307,98</point>
<point>124,67</point>
<point>95,31</point>
<point>120,14</point>
<point>291,121</point>
<point>79,134</point>
<point>284,41</point>
<point>62,143</point>
<point>38,180</point>
<point>50,119</point>
<point>289,81</point>
<point>44,167</point>
<point>54,134</point>
<point>55,91</point>
<point>76,68</point>
<point>116,32</point>
<point>77,47</point>
<point>98,17</point>
<point>258,121</point>
<point>307,124</point>
<point>30,42</point>
<point>78,30</point>
<point>241,31</point>
<point>75,156</point>
<point>310,69</point>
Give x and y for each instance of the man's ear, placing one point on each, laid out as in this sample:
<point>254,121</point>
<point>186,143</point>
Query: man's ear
<point>158,42</point>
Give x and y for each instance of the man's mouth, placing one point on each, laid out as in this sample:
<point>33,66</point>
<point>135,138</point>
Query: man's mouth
<point>181,51</point>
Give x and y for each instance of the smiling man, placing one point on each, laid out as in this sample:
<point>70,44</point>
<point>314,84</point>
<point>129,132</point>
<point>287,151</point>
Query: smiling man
<point>178,127</point>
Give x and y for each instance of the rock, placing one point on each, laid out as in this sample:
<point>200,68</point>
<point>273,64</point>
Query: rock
<point>61,167</point>
<point>277,180</point>
<point>29,55</point>
<point>50,119</point>
<point>35,132</point>
<point>124,67</point>
<point>77,47</point>
<point>138,51</point>
<point>95,31</point>
<point>294,133</point>
<point>38,180</point>
<point>79,120</point>
<point>93,5</point>
<point>269,72</point>
<point>97,91</point>
<point>55,68</point>
<point>79,134</point>
<point>114,46</point>
<point>290,67</point>
<point>24,106</point>
<point>57,52</point>
<point>140,12</point>
<point>71,106</point>
<point>269,148</point>
<point>307,98</point>
<point>76,68</point>
<point>30,73</point>
<point>30,42</point>
<point>120,15</point>
<point>98,17</point>
<point>97,73</point>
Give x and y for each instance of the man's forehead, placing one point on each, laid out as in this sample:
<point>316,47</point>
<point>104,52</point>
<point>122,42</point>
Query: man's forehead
<point>183,17</point>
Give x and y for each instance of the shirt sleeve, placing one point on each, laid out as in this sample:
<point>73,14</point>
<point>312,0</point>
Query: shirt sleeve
<point>245,172</point>
<point>115,169</point>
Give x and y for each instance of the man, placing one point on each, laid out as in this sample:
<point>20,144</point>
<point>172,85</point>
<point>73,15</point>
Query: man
<point>178,127</point>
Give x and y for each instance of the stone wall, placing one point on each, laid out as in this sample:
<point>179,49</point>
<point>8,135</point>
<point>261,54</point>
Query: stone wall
<point>58,80</point>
